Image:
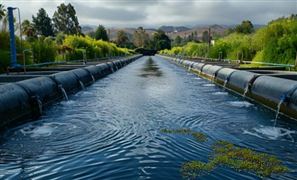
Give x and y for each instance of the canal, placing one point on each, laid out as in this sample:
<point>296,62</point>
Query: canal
<point>111,130</point>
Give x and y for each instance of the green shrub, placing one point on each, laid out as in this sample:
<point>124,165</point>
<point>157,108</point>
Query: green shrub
<point>93,48</point>
<point>4,59</point>
<point>44,50</point>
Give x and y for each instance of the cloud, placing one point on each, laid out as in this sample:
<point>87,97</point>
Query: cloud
<point>151,13</point>
<point>108,14</point>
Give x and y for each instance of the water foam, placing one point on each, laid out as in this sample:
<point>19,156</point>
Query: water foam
<point>44,130</point>
<point>240,104</point>
<point>208,85</point>
<point>220,93</point>
<point>270,132</point>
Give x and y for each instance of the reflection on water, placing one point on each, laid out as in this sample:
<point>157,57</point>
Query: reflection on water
<point>150,69</point>
<point>112,129</point>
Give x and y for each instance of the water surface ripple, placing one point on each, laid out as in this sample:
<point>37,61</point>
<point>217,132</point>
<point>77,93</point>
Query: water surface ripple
<point>111,130</point>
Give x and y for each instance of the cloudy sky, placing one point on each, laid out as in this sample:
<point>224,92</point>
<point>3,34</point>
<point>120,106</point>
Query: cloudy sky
<point>153,13</point>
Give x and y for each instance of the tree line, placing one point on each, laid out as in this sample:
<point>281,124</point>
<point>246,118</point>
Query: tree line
<point>274,43</point>
<point>56,38</point>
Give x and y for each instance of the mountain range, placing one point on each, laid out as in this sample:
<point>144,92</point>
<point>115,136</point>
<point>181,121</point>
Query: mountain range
<point>171,31</point>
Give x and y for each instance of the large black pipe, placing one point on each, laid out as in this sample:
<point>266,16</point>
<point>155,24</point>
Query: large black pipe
<point>25,100</point>
<point>271,91</point>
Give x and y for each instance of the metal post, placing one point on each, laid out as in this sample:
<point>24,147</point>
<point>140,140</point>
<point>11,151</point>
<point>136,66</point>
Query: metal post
<point>13,61</point>
<point>209,40</point>
<point>24,58</point>
<point>296,61</point>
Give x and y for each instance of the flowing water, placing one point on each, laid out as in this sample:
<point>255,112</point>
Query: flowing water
<point>82,86</point>
<point>112,129</point>
<point>63,92</point>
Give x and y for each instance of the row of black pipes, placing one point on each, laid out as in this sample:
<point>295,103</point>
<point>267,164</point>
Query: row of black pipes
<point>25,100</point>
<point>276,93</point>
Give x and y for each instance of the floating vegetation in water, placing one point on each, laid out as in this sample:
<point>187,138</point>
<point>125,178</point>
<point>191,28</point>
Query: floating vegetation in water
<point>197,135</point>
<point>176,131</point>
<point>194,169</point>
<point>237,158</point>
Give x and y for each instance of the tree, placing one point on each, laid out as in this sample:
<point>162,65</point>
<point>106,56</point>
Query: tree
<point>122,39</point>
<point>60,38</point>
<point>28,29</point>
<point>205,36</point>
<point>65,20</point>
<point>161,41</point>
<point>2,12</point>
<point>101,33</point>
<point>3,17</point>
<point>141,38</point>
<point>43,23</point>
<point>177,41</point>
<point>246,27</point>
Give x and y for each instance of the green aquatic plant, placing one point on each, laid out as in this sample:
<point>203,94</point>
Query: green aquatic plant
<point>198,136</point>
<point>241,159</point>
<point>246,159</point>
<point>194,169</point>
<point>176,131</point>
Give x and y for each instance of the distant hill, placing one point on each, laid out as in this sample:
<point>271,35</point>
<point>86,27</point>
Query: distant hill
<point>87,28</point>
<point>216,30</point>
<point>171,31</point>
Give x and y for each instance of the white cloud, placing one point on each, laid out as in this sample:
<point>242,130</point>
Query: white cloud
<point>151,13</point>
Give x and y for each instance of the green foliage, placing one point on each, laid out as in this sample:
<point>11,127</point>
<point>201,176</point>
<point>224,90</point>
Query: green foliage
<point>190,49</point>
<point>176,131</point>
<point>28,30</point>
<point>60,38</point>
<point>101,33</point>
<point>277,42</point>
<point>246,27</point>
<point>4,39</point>
<point>193,169</point>
<point>141,38</point>
<point>177,41</point>
<point>92,48</point>
<point>234,46</point>
<point>227,154</point>
<point>237,158</point>
<point>5,50</point>
<point>122,39</point>
<point>42,23</point>
<point>2,12</point>
<point>65,20</point>
<point>274,43</point>
<point>4,59</point>
<point>195,49</point>
<point>44,50</point>
<point>161,40</point>
<point>205,36</point>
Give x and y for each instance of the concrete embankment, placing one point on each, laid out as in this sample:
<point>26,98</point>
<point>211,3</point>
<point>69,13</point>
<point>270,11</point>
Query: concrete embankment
<point>24,100</point>
<point>275,90</point>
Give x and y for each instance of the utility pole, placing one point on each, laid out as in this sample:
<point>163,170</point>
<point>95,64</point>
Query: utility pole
<point>209,40</point>
<point>296,61</point>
